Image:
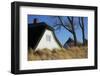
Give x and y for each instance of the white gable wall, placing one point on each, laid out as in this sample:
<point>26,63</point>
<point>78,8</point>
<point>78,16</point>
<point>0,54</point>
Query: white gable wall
<point>47,44</point>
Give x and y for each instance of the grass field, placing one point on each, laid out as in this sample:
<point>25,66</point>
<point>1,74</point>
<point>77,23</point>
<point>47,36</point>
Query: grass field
<point>47,54</point>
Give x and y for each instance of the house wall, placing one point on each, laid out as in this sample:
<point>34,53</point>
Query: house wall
<point>48,44</point>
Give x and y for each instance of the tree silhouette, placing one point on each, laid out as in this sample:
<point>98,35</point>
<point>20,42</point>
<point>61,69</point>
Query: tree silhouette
<point>81,24</point>
<point>68,25</point>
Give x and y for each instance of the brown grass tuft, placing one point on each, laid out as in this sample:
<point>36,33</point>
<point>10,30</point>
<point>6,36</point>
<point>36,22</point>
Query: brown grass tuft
<point>68,53</point>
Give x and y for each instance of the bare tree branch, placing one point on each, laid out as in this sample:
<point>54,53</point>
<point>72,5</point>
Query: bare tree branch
<point>81,23</point>
<point>69,27</point>
<point>71,21</point>
<point>64,25</point>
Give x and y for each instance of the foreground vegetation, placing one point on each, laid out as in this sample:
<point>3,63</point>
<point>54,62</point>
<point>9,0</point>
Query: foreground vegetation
<point>68,53</point>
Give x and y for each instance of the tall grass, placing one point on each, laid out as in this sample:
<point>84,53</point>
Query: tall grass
<point>63,53</point>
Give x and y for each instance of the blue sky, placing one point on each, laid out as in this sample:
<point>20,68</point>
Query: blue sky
<point>62,34</point>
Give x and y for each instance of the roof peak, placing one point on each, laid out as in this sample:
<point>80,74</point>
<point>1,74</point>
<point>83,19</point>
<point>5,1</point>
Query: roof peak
<point>41,24</point>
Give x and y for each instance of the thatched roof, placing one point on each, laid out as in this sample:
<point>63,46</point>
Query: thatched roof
<point>69,42</point>
<point>35,33</point>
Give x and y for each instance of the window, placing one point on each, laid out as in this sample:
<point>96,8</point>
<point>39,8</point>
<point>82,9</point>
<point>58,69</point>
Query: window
<point>48,38</point>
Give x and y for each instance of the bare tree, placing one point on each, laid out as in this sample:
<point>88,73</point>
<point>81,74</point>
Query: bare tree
<point>68,26</point>
<point>81,23</point>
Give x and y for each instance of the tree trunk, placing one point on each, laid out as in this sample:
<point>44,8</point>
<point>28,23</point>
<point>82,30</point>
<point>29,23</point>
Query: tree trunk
<point>83,36</point>
<point>75,39</point>
<point>73,30</point>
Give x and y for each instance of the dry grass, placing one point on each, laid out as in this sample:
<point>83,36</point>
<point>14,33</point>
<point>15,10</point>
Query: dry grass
<point>47,54</point>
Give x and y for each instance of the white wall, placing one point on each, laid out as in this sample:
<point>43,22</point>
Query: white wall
<point>5,41</point>
<point>48,44</point>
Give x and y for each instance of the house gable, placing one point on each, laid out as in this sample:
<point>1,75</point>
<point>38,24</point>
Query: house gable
<point>36,33</point>
<point>45,43</point>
